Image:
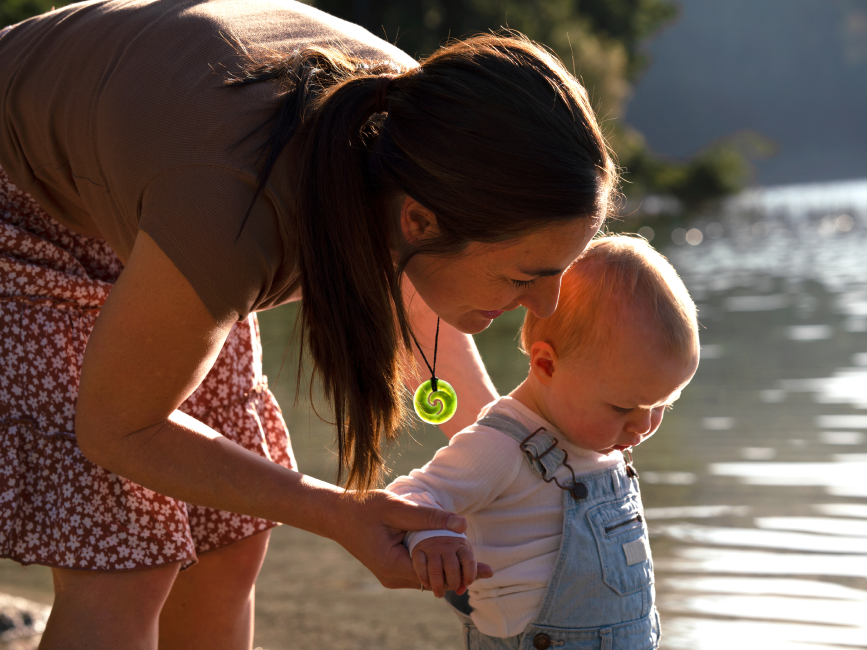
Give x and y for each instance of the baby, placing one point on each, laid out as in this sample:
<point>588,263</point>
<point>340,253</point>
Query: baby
<point>552,505</point>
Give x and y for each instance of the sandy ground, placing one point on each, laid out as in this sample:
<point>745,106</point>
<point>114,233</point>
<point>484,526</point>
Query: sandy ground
<point>312,593</point>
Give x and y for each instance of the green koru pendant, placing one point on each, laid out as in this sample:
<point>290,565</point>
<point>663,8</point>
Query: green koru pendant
<point>436,406</point>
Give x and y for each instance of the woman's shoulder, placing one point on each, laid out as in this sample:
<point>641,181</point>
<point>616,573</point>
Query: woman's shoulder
<point>206,27</point>
<point>239,255</point>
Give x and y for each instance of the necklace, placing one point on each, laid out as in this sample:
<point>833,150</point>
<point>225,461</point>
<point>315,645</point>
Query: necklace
<point>435,400</point>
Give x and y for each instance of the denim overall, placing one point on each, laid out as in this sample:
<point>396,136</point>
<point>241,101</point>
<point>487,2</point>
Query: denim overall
<point>600,595</point>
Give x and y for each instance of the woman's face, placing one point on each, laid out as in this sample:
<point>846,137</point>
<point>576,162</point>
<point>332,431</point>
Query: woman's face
<point>471,290</point>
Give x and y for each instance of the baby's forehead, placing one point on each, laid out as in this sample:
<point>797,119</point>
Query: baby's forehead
<point>644,372</point>
<point>621,284</point>
<point>637,332</point>
<point>671,399</point>
<point>655,397</point>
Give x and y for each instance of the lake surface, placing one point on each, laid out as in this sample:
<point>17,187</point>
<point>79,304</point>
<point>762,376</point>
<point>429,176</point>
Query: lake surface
<point>755,487</point>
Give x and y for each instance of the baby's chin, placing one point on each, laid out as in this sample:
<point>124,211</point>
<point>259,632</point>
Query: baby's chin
<point>616,449</point>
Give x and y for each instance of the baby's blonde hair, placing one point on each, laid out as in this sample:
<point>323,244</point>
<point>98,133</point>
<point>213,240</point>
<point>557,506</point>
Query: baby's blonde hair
<point>619,280</point>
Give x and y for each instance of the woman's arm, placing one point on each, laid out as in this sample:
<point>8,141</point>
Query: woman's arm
<point>458,362</point>
<point>153,343</point>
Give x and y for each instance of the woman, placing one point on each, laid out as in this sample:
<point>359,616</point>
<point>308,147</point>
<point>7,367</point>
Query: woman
<point>205,161</point>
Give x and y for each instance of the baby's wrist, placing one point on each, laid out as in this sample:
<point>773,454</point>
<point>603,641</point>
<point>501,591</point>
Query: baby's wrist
<point>413,538</point>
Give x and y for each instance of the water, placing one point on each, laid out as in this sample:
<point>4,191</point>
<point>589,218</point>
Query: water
<point>757,502</point>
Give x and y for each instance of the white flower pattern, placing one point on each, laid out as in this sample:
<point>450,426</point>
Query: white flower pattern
<point>56,507</point>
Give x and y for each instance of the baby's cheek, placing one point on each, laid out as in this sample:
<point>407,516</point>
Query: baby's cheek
<point>566,408</point>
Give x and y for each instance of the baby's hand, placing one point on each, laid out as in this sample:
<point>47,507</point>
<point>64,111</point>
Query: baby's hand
<point>446,564</point>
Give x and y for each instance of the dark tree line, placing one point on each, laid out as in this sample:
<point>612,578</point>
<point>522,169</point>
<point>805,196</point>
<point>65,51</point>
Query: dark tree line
<point>602,39</point>
<point>13,11</point>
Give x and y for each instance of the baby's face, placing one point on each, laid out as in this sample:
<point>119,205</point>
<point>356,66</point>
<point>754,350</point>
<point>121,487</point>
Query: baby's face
<point>614,401</point>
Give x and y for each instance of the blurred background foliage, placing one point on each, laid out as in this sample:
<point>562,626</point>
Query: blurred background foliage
<point>603,40</point>
<point>600,39</point>
<point>13,11</point>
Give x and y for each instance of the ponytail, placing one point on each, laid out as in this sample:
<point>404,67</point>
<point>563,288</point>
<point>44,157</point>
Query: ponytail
<point>352,319</point>
<point>492,134</point>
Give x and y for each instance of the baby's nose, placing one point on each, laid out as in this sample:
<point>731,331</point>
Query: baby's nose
<point>642,423</point>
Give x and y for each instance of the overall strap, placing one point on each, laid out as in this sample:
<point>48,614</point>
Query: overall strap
<point>540,448</point>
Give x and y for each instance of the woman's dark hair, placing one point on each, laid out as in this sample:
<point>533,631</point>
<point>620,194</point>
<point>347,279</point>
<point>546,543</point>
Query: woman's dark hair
<point>491,134</point>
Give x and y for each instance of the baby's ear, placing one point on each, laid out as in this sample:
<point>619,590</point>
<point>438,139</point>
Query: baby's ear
<point>543,362</point>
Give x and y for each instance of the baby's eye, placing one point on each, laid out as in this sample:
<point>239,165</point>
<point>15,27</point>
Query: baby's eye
<point>620,409</point>
<point>523,284</point>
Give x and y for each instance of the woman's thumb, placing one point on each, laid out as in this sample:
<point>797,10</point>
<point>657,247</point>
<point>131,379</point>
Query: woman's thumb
<point>427,518</point>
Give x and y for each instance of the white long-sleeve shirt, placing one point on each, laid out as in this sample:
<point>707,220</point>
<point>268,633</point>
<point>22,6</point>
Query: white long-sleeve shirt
<point>515,519</point>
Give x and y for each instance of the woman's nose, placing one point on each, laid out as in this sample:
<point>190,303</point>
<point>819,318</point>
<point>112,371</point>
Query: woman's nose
<point>542,299</point>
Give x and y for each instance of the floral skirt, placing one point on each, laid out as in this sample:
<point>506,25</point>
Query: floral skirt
<point>56,507</point>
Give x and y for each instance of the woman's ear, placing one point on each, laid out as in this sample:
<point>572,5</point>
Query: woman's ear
<point>543,362</point>
<point>417,223</point>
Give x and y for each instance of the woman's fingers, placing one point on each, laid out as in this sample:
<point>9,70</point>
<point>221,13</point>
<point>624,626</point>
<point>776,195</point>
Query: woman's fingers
<point>483,571</point>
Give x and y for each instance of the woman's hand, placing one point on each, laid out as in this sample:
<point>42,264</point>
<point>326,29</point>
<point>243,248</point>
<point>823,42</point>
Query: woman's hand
<point>373,531</point>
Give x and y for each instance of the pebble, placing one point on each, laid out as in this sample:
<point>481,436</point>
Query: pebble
<point>21,623</point>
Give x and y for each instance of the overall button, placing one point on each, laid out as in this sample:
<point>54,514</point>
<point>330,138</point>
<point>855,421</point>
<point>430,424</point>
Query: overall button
<point>579,491</point>
<point>541,641</point>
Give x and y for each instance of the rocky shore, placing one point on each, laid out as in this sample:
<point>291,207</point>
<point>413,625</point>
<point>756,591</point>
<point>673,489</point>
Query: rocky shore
<point>21,623</point>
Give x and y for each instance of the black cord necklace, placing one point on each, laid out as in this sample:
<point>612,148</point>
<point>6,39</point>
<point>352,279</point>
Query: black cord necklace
<point>435,400</point>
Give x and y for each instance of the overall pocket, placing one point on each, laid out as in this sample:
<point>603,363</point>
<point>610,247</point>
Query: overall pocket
<point>624,550</point>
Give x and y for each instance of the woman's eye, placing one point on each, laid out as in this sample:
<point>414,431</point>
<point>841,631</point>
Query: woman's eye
<point>620,409</point>
<point>523,284</point>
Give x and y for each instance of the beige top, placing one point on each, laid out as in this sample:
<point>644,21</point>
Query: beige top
<point>115,118</point>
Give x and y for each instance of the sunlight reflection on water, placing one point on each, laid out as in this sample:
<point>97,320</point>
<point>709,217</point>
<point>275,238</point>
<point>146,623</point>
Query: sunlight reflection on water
<point>778,567</point>
<point>753,538</point>
<point>847,386</point>
<point>824,525</point>
<point>807,474</point>
<point>699,559</point>
<point>716,634</point>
